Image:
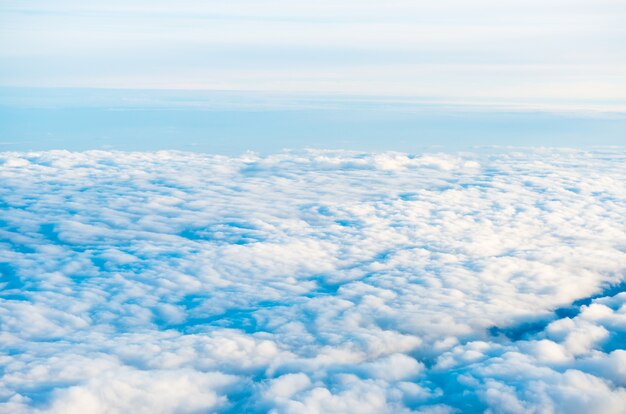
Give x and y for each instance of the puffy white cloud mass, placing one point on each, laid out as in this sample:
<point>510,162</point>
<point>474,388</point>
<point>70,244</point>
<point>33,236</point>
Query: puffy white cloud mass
<point>313,282</point>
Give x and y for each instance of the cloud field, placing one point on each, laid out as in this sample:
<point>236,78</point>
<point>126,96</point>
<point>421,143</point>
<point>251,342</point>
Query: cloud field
<point>313,282</point>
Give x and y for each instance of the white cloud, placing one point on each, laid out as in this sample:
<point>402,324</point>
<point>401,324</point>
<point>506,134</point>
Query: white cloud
<point>143,392</point>
<point>312,281</point>
<point>563,54</point>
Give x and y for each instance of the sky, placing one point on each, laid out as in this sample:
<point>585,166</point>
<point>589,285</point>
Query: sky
<point>467,62</point>
<point>533,52</point>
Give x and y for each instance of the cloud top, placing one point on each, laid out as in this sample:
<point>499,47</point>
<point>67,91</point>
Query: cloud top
<point>314,281</point>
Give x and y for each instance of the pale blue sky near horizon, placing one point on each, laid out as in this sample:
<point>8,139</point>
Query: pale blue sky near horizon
<point>272,74</point>
<point>233,122</point>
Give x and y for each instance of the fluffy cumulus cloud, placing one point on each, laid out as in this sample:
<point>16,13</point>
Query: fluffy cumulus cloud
<point>313,282</point>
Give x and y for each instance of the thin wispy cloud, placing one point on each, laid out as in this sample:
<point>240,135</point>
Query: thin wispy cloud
<point>538,53</point>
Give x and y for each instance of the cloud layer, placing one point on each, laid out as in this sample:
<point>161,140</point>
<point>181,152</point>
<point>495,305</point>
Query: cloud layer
<point>565,53</point>
<point>313,282</point>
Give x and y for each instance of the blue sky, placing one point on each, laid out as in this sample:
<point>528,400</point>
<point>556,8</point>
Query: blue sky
<point>233,123</point>
<point>532,56</point>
